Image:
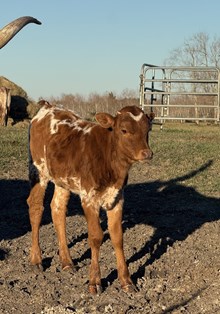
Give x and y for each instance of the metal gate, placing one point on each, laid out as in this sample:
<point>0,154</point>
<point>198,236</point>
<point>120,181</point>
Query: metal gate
<point>180,93</point>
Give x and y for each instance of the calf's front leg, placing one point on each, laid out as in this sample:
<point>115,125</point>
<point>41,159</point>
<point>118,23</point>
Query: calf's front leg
<point>116,233</point>
<point>95,235</point>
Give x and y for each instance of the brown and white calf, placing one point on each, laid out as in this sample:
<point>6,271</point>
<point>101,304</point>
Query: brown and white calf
<point>92,160</point>
<point>5,102</point>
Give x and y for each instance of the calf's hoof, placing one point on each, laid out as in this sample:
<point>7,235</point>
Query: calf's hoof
<point>130,288</point>
<point>37,268</point>
<point>69,268</point>
<point>95,289</point>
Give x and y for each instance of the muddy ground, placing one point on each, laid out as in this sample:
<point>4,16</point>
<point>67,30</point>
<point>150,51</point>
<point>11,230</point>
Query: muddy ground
<point>171,235</point>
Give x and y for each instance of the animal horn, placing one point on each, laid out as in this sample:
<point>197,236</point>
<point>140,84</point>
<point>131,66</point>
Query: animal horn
<point>10,30</point>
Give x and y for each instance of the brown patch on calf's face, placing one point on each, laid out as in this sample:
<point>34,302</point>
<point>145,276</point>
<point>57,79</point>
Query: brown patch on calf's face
<point>131,130</point>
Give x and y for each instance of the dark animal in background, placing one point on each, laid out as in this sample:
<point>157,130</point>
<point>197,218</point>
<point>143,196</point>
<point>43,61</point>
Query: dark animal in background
<point>6,34</point>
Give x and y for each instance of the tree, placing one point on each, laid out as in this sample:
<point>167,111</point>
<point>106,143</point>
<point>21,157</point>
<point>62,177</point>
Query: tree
<point>198,50</point>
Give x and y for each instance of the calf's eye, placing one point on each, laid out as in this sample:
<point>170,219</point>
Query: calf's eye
<point>123,131</point>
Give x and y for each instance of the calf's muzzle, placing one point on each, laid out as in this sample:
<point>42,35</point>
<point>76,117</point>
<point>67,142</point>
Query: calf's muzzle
<point>146,154</point>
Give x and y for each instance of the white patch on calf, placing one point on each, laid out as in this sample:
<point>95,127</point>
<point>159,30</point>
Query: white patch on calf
<point>53,125</point>
<point>43,172</point>
<point>57,198</point>
<point>79,126</point>
<point>74,123</point>
<point>109,197</point>
<point>73,184</point>
<point>136,118</point>
<point>91,197</point>
<point>88,197</point>
<point>87,129</point>
<point>42,113</point>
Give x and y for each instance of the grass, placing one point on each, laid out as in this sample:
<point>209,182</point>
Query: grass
<point>184,149</point>
<point>14,152</point>
<point>188,153</point>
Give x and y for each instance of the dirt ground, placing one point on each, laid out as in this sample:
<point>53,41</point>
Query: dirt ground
<point>171,235</point>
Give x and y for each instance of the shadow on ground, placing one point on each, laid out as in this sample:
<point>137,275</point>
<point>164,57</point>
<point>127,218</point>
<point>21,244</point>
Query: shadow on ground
<point>173,209</point>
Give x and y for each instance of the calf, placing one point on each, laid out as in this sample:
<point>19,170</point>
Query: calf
<point>92,160</point>
<point>5,102</point>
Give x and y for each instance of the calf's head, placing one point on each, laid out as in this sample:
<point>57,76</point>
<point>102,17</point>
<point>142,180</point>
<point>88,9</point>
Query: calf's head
<point>130,128</point>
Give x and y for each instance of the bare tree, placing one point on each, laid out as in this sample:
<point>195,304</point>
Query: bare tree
<point>215,52</point>
<point>198,50</point>
<point>86,107</point>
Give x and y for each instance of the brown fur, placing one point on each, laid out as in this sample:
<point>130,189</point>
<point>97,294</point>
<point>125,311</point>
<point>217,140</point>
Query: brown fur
<point>92,160</point>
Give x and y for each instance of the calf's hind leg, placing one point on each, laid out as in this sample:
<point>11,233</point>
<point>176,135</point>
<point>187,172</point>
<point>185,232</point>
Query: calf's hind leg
<point>35,202</point>
<point>59,208</point>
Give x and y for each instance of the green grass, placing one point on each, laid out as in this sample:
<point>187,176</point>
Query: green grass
<point>187,153</point>
<point>14,152</point>
<point>191,150</point>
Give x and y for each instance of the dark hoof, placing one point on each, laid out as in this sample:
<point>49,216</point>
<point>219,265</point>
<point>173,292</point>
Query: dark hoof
<point>130,288</point>
<point>95,289</point>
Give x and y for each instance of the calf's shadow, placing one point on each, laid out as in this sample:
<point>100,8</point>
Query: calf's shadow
<point>174,211</point>
<point>171,208</point>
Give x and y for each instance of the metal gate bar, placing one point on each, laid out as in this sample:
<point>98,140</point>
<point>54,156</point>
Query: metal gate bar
<point>164,87</point>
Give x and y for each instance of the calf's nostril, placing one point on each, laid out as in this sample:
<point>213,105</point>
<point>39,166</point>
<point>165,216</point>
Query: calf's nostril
<point>147,154</point>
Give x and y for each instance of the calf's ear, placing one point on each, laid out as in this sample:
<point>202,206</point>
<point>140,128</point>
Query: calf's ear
<point>105,120</point>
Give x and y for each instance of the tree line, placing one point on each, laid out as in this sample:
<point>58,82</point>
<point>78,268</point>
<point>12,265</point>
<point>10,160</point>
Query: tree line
<point>87,106</point>
<point>198,50</point>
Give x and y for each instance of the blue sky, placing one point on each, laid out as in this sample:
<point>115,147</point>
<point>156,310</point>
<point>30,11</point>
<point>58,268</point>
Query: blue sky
<point>97,46</point>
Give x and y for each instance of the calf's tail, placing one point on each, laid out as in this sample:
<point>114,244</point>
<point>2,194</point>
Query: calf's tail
<point>33,172</point>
